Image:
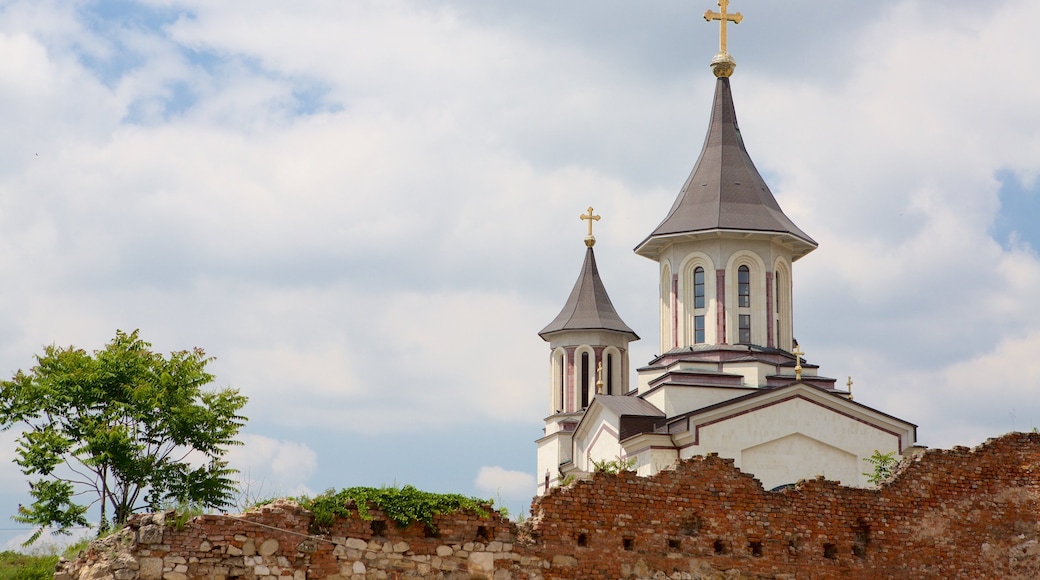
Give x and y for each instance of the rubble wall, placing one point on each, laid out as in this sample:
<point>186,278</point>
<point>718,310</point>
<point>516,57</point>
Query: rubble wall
<point>956,513</point>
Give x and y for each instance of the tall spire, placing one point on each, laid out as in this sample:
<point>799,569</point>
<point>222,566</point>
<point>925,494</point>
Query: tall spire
<point>725,191</point>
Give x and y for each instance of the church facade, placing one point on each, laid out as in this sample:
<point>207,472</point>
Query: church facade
<point>731,379</point>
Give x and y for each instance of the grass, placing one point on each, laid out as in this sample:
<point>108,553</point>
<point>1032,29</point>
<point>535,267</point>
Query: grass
<point>16,566</point>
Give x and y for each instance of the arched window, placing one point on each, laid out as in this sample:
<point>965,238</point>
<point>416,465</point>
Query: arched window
<point>559,374</point>
<point>609,371</point>
<point>698,287</point>
<point>743,287</point>
<point>776,309</point>
<point>666,307</point>
<point>698,305</point>
<point>584,380</point>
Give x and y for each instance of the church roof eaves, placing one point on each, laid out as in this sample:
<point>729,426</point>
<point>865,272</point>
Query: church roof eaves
<point>765,391</point>
<point>625,406</point>
<point>588,307</point>
<point>725,192</point>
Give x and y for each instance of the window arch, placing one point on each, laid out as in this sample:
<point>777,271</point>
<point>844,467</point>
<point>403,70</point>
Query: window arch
<point>747,311</point>
<point>698,305</point>
<point>781,309</point>
<point>558,382</point>
<point>743,287</point>
<point>584,377</point>
<point>613,371</point>
<point>666,307</point>
<point>698,300</point>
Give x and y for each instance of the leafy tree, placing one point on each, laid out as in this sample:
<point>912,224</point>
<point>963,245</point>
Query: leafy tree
<point>882,464</point>
<point>125,427</point>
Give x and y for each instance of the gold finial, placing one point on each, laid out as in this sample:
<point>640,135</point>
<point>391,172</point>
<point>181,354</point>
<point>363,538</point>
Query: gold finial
<point>599,372</point>
<point>723,64</point>
<point>590,240</point>
<point>849,385</point>
<point>797,352</point>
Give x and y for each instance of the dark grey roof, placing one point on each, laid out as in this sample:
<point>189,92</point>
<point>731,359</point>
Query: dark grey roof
<point>625,406</point>
<point>725,190</point>
<point>588,307</point>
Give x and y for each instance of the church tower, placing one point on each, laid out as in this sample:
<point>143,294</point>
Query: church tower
<point>588,342</point>
<point>725,248</point>
<point>730,378</point>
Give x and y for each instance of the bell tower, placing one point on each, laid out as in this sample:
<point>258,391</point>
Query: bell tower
<point>588,344</point>
<point>725,248</point>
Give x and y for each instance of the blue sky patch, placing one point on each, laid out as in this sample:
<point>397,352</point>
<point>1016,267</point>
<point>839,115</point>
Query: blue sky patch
<point>1019,210</point>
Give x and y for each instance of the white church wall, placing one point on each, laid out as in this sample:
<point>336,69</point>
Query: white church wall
<point>597,439</point>
<point>653,452</point>
<point>790,458</point>
<point>731,436</point>
<point>552,451</point>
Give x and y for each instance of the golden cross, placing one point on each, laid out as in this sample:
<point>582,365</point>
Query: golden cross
<point>590,240</point>
<point>797,352</point>
<point>723,18</point>
<point>599,369</point>
<point>849,385</point>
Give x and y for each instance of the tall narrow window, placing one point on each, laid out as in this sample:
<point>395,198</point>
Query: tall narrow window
<point>745,329</point>
<point>743,287</point>
<point>698,287</point>
<point>776,317</point>
<point>609,371</point>
<point>560,367</point>
<point>698,329</point>
<point>584,380</point>
<point>776,291</point>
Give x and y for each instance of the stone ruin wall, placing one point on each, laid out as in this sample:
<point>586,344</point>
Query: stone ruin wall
<point>956,513</point>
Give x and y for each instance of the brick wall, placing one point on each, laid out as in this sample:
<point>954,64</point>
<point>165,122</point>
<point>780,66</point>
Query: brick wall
<point>956,513</point>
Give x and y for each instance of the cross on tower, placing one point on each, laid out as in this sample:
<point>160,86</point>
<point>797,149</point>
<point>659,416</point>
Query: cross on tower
<point>723,17</point>
<point>797,352</point>
<point>849,385</point>
<point>590,240</point>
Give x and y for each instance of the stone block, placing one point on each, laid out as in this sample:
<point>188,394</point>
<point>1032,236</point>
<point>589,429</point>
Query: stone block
<point>564,561</point>
<point>270,546</point>
<point>150,568</point>
<point>481,563</point>
<point>356,544</point>
<point>150,534</point>
<point>249,547</point>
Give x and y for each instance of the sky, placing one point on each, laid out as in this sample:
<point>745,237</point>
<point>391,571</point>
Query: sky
<point>366,210</point>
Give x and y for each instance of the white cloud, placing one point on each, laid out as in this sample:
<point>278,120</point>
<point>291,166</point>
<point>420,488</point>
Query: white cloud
<point>367,210</point>
<point>271,467</point>
<point>516,485</point>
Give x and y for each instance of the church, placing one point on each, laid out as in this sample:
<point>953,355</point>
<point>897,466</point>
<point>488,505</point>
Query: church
<point>731,379</point>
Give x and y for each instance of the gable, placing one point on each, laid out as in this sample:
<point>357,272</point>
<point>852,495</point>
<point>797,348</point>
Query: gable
<point>797,456</point>
<point>799,408</point>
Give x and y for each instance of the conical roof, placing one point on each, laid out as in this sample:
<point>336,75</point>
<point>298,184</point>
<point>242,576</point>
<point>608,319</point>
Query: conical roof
<point>588,307</point>
<point>725,192</point>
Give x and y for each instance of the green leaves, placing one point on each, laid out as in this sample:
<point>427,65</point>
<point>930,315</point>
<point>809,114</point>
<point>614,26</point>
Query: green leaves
<point>403,505</point>
<point>120,426</point>
<point>882,464</point>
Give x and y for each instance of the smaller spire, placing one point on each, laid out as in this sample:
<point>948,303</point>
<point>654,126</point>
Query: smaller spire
<point>590,240</point>
<point>588,307</point>
<point>723,64</point>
